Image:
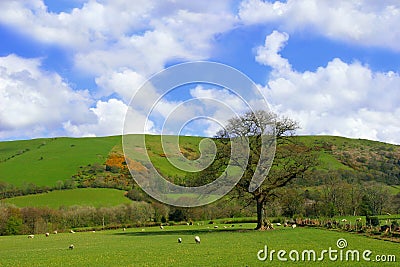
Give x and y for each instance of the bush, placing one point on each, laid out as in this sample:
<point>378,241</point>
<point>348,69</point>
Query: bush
<point>372,220</point>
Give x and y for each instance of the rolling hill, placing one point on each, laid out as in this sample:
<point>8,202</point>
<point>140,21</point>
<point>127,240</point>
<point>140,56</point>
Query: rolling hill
<point>99,162</point>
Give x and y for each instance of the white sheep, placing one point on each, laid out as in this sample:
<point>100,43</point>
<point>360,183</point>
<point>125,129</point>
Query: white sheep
<point>71,246</point>
<point>161,227</point>
<point>216,226</point>
<point>179,240</point>
<point>294,226</point>
<point>47,234</point>
<point>55,232</point>
<point>31,236</point>
<point>72,231</point>
<point>197,239</point>
<point>278,224</point>
<point>124,229</point>
<point>344,220</point>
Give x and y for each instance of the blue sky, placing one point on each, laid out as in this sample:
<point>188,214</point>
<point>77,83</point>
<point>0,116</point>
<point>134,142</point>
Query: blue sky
<point>70,68</point>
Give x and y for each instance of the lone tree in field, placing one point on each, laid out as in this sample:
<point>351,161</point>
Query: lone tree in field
<point>292,159</point>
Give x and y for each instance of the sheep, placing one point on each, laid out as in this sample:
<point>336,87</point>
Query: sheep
<point>124,229</point>
<point>47,234</point>
<point>344,220</point>
<point>31,236</point>
<point>93,231</point>
<point>225,227</point>
<point>278,224</point>
<point>55,232</point>
<point>143,230</point>
<point>161,227</point>
<point>72,231</point>
<point>179,240</point>
<point>197,239</point>
<point>71,246</point>
<point>216,226</point>
<point>294,226</point>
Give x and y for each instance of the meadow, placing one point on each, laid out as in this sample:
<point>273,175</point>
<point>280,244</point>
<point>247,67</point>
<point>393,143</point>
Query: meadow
<point>43,162</point>
<point>152,246</point>
<point>96,197</point>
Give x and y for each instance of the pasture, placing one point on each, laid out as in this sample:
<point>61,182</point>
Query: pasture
<point>43,162</point>
<point>96,197</point>
<point>231,246</point>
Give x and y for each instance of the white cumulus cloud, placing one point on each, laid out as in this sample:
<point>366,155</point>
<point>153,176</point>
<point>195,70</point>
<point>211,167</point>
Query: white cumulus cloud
<point>364,22</point>
<point>341,98</point>
<point>34,102</point>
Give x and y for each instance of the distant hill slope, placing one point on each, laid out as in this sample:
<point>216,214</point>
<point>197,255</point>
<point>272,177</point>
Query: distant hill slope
<point>45,161</point>
<point>355,159</point>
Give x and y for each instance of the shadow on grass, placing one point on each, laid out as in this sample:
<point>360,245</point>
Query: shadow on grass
<point>182,232</point>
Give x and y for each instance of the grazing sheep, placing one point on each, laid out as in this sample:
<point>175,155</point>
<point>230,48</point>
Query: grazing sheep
<point>344,220</point>
<point>294,226</point>
<point>72,231</point>
<point>93,231</point>
<point>179,240</point>
<point>197,239</point>
<point>358,220</point>
<point>161,227</point>
<point>225,227</point>
<point>285,224</point>
<point>124,229</point>
<point>47,234</point>
<point>187,223</point>
<point>278,224</point>
<point>55,232</point>
<point>31,236</point>
<point>216,226</point>
<point>71,246</point>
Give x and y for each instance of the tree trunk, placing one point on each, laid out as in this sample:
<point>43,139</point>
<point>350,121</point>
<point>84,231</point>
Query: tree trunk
<point>260,212</point>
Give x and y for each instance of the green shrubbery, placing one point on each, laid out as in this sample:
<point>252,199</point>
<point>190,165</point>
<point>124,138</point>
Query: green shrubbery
<point>30,220</point>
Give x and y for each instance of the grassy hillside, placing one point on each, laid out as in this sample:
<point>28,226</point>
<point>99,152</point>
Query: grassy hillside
<point>96,197</point>
<point>45,161</point>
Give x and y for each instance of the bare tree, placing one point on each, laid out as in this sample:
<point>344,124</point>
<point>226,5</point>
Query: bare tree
<point>292,159</point>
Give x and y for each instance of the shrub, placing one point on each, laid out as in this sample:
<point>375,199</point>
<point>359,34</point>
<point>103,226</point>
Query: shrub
<point>372,220</point>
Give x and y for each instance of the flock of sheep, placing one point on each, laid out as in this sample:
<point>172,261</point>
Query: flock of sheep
<point>196,238</point>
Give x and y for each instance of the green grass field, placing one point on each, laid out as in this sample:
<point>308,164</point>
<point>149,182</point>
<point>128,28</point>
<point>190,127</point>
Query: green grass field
<point>46,161</point>
<point>156,247</point>
<point>96,197</point>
